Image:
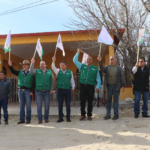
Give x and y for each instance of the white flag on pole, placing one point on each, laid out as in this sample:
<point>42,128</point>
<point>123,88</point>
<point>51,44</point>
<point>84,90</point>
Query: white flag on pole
<point>104,37</point>
<point>85,56</point>
<point>8,42</point>
<point>39,49</point>
<point>140,38</point>
<point>60,45</point>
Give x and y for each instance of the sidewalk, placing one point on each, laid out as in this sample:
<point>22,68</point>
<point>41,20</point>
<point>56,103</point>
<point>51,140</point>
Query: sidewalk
<point>75,111</point>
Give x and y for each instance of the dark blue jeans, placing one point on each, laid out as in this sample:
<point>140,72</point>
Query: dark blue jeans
<point>61,95</point>
<point>40,96</point>
<point>25,97</point>
<point>111,91</point>
<point>137,102</point>
<point>4,104</point>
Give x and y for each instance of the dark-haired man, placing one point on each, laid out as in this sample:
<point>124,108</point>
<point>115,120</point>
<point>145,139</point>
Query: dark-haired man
<point>65,85</point>
<point>44,85</point>
<point>26,89</point>
<point>5,95</point>
<point>141,87</point>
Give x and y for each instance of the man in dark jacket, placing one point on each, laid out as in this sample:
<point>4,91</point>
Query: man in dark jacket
<point>114,81</point>
<point>5,95</point>
<point>141,87</point>
<point>26,89</point>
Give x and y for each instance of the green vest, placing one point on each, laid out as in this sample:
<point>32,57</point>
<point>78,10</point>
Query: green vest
<point>88,74</point>
<point>43,82</point>
<point>25,80</point>
<point>64,80</point>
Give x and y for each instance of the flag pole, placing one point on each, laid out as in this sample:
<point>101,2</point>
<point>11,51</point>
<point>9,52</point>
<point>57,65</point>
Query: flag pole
<point>55,51</point>
<point>9,54</point>
<point>34,54</point>
<point>100,48</point>
<point>138,53</point>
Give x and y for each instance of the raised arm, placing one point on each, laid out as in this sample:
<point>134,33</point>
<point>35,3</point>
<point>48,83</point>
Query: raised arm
<point>75,60</point>
<point>56,70</point>
<point>12,70</point>
<point>32,70</point>
<point>101,67</point>
<point>134,69</point>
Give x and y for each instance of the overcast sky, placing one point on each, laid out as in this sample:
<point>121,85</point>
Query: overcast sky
<point>44,18</point>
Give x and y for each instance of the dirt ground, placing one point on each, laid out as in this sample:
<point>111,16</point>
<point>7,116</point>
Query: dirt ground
<point>125,133</point>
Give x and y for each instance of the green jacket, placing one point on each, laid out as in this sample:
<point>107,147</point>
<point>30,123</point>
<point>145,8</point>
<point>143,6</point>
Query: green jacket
<point>64,80</point>
<point>88,74</point>
<point>41,79</point>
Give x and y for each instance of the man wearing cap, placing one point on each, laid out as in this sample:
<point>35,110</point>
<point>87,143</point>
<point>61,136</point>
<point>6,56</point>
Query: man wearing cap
<point>65,86</point>
<point>26,89</point>
<point>44,85</point>
<point>89,75</point>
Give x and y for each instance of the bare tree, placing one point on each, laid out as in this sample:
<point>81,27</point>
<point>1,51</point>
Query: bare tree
<point>115,15</point>
<point>146,4</point>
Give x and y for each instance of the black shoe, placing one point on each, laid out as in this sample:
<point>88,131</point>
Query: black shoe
<point>136,116</point>
<point>107,117</point>
<point>6,123</point>
<point>68,120</point>
<point>146,116</point>
<point>60,120</point>
<point>115,117</point>
<point>20,122</point>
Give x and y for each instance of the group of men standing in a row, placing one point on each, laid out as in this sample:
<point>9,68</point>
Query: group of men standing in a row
<point>43,80</point>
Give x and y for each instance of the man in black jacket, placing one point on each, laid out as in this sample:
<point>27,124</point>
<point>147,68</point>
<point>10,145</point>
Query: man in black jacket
<point>141,87</point>
<point>5,95</point>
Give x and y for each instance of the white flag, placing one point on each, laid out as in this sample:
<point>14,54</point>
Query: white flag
<point>141,34</point>
<point>104,37</point>
<point>39,49</point>
<point>85,56</point>
<point>8,42</point>
<point>60,45</point>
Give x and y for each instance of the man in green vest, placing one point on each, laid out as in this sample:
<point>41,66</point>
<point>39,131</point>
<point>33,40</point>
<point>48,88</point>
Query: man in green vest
<point>65,86</point>
<point>89,75</point>
<point>44,85</point>
<point>26,89</point>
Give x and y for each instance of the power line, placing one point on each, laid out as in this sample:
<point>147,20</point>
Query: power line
<point>21,6</point>
<point>13,10</point>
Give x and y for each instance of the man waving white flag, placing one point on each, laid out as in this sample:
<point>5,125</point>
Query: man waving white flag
<point>39,49</point>
<point>8,42</point>
<point>104,37</point>
<point>60,45</point>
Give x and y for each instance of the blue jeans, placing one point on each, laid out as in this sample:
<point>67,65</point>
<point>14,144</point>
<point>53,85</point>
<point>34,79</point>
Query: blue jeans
<point>61,95</point>
<point>137,102</point>
<point>40,95</point>
<point>111,91</point>
<point>4,104</point>
<point>25,97</point>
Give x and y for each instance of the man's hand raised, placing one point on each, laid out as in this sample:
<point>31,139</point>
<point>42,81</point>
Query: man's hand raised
<point>9,63</point>
<point>32,60</point>
<point>54,59</point>
<point>79,51</point>
<point>99,58</point>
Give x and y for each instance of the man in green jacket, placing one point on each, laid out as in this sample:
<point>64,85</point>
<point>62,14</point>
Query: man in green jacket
<point>89,75</point>
<point>26,89</point>
<point>65,85</point>
<point>44,85</point>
